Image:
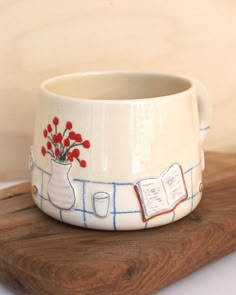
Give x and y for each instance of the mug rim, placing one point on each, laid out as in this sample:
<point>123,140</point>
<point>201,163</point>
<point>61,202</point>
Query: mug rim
<point>62,77</point>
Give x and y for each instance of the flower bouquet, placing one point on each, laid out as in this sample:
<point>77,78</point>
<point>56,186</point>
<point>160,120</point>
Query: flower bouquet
<point>64,148</point>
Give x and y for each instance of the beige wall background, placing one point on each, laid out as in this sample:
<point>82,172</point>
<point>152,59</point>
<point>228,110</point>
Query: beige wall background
<point>40,39</point>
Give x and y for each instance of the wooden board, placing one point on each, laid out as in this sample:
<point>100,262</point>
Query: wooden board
<point>39,255</point>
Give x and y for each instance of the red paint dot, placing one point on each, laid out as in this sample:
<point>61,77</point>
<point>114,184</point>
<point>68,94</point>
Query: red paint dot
<point>86,144</point>
<point>201,187</point>
<point>34,189</point>
<point>49,128</point>
<point>75,153</point>
<point>57,152</point>
<point>83,163</point>
<point>66,142</point>
<point>72,135</point>
<point>43,150</point>
<point>70,157</point>
<point>55,121</point>
<point>59,137</point>
<point>45,133</point>
<point>49,145</point>
<point>54,138</point>
<point>78,137</point>
<point>68,125</point>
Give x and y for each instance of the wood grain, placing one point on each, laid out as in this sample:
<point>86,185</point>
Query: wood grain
<point>39,255</point>
<point>15,190</point>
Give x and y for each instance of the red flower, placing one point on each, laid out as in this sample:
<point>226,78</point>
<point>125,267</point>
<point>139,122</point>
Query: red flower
<point>45,133</point>
<point>72,135</point>
<point>68,125</point>
<point>59,137</point>
<point>75,153</point>
<point>83,163</point>
<point>54,138</point>
<point>66,142</point>
<point>55,121</point>
<point>57,140</point>
<point>70,157</point>
<point>49,145</point>
<point>43,150</point>
<point>78,137</point>
<point>57,152</point>
<point>86,144</point>
<point>49,127</point>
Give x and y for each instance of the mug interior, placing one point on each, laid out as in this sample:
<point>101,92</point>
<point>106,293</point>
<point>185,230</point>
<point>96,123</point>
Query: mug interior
<point>116,86</point>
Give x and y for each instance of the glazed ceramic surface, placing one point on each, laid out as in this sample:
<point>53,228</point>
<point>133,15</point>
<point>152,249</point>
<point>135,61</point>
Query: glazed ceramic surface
<point>119,150</point>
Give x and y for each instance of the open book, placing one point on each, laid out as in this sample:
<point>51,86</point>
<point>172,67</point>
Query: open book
<point>161,195</point>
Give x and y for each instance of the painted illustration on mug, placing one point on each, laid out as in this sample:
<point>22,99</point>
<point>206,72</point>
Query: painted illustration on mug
<point>162,195</point>
<point>64,149</point>
<point>101,202</point>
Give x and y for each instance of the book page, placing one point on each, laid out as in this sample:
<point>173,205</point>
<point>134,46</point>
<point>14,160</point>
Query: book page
<point>153,195</point>
<point>174,185</point>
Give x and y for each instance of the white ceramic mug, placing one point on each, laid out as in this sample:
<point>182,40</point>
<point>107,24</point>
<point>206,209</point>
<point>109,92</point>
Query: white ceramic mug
<point>133,137</point>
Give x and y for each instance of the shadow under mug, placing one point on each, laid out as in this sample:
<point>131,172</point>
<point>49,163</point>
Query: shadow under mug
<point>119,150</point>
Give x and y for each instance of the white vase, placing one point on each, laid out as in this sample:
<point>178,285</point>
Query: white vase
<point>101,203</point>
<point>60,190</point>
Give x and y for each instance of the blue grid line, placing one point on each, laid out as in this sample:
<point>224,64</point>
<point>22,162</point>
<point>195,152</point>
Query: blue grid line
<point>114,212</point>
<point>112,182</point>
<point>125,212</point>
<point>83,211</point>
<point>41,169</point>
<point>193,196</point>
<point>83,198</point>
<point>88,181</point>
<point>195,166</point>
<point>103,182</point>
<point>42,197</point>
<point>114,207</point>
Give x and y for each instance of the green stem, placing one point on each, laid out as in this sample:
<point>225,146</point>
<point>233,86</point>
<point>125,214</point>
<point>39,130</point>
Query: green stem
<point>78,160</point>
<point>50,153</point>
<point>64,132</point>
<point>51,140</point>
<point>73,145</point>
<point>61,150</point>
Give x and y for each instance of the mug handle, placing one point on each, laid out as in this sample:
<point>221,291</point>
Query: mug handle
<point>204,109</point>
<point>205,113</point>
